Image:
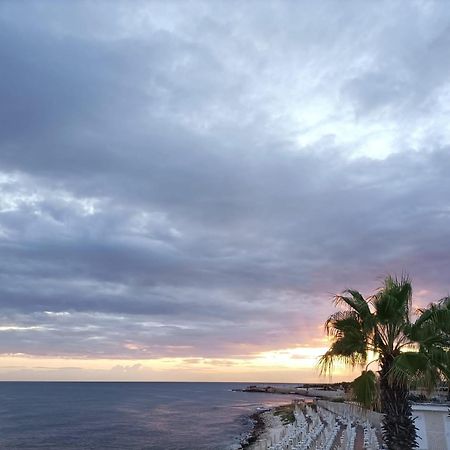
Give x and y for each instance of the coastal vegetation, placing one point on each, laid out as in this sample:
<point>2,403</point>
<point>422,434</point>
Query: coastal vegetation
<point>285,413</point>
<point>379,329</point>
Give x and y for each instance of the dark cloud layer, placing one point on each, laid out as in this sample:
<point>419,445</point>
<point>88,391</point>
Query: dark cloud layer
<point>196,180</point>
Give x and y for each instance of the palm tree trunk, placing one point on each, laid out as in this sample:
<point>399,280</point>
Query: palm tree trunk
<point>399,431</point>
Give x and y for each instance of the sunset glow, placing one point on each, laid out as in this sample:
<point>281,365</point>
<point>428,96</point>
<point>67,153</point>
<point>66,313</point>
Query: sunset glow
<point>285,365</point>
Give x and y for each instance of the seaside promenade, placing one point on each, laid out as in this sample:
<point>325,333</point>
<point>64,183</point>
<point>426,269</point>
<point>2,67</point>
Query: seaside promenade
<point>326,425</point>
<point>318,428</point>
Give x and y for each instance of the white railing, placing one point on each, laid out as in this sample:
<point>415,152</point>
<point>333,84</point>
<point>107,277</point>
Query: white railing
<point>353,411</point>
<point>320,428</point>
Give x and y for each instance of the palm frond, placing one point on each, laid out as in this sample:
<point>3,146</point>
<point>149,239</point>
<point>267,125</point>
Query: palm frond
<point>341,321</point>
<point>349,348</point>
<point>365,389</point>
<point>356,302</point>
<point>393,302</point>
<point>326,363</point>
<point>415,367</point>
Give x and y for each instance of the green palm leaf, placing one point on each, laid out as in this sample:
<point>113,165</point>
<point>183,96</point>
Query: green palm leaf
<point>365,389</point>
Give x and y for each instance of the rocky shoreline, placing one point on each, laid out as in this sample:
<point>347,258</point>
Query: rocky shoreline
<point>267,423</point>
<point>324,391</point>
<point>259,426</point>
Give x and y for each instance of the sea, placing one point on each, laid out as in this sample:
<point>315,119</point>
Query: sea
<point>105,415</point>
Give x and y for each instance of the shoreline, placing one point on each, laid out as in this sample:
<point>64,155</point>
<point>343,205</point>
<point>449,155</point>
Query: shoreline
<point>326,391</point>
<point>259,426</point>
<point>314,423</point>
<point>268,424</point>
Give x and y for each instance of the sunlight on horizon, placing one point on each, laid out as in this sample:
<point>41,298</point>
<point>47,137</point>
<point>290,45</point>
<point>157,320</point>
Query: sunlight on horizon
<point>295,365</point>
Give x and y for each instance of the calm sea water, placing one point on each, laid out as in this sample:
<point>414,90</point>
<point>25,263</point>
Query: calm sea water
<point>192,416</point>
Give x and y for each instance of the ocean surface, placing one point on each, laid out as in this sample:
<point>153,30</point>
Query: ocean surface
<point>170,416</point>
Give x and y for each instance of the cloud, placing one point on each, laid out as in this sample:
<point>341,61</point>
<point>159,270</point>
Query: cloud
<point>197,182</point>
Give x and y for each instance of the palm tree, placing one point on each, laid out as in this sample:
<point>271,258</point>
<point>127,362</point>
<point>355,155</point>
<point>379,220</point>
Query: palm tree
<point>381,325</point>
<point>432,333</point>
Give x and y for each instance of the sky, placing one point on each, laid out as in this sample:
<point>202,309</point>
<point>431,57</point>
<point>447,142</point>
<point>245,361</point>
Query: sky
<point>185,185</point>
